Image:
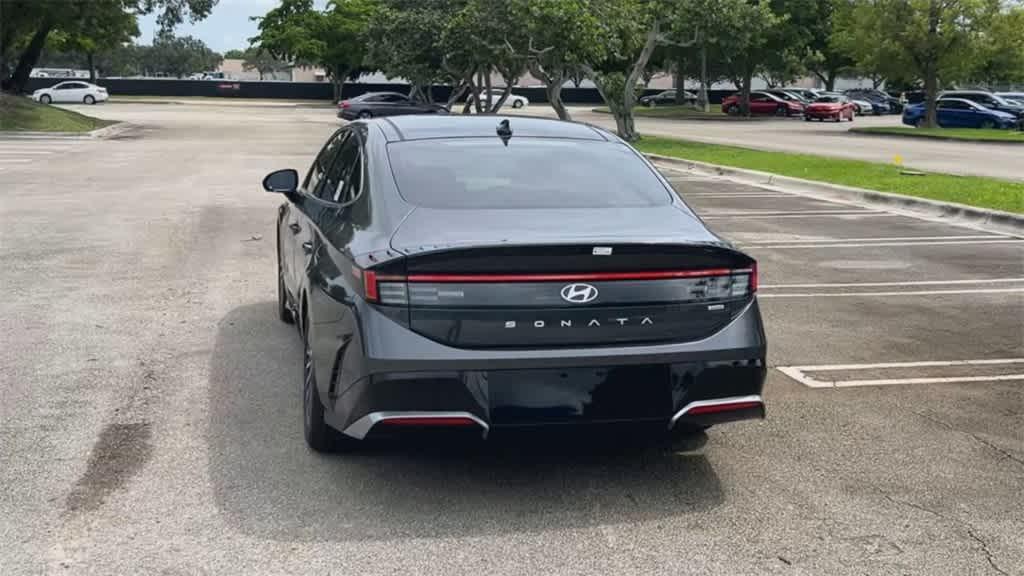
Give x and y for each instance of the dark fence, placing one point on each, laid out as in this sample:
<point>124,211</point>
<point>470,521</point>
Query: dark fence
<point>306,90</point>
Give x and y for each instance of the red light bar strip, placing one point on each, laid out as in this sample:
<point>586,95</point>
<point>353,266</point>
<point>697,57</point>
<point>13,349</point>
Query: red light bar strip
<point>428,421</point>
<point>593,276</point>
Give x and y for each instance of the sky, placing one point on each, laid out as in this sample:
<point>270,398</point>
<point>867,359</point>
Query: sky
<point>228,25</point>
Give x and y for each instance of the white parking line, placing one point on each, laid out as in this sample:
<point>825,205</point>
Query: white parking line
<point>875,239</point>
<point>903,293</point>
<point>799,373</point>
<point>886,244</point>
<point>785,212</point>
<point>798,215</point>
<point>879,284</point>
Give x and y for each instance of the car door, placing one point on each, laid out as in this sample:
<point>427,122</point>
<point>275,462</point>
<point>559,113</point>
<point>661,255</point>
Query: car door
<point>300,216</point>
<point>952,113</point>
<point>77,92</point>
<point>762,104</point>
<point>63,92</point>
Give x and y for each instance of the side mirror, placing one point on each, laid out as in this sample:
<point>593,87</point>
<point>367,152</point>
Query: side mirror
<point>281,181</point>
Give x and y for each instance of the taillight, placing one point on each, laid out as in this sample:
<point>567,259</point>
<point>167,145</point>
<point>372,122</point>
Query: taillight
<point>382,288</point>
<point>344,104</point>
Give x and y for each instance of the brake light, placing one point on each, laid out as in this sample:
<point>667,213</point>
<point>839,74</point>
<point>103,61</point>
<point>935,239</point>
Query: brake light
<point>723,407</point>
<point>370,286</point>
<point>344,104</point>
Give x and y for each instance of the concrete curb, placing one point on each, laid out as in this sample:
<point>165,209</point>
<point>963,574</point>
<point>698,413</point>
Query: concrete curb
<point>97,134</point>
<point>866,132</point>
<point>996,220</point>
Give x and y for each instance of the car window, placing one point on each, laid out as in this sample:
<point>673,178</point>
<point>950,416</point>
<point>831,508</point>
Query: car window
<point>75,85</point>
<point>393,98</point>
<point>344,179</point>
<point>64,86</point>
<point>954,105</point>
<point>528,173</point>
<point>323,163</point>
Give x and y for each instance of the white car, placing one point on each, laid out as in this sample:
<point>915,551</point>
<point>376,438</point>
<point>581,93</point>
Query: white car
<point>864,107</point>
<point>512,100</point>
<point>71,91</point>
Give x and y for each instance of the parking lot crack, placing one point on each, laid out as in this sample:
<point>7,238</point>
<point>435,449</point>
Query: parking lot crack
<point>989,556</point>
<point>1005,455</point>
<point>988,553</point>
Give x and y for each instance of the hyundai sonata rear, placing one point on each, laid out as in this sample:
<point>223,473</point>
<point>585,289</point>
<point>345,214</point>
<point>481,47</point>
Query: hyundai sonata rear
<point>488,276</point>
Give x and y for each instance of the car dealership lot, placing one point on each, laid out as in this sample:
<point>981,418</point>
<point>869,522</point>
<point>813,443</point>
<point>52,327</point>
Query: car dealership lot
<point>151,416</point>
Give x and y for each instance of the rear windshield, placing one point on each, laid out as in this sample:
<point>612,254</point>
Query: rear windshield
<point>528,173</point>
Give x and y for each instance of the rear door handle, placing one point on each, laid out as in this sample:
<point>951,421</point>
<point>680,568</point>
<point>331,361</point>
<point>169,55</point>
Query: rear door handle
<point>307,247</point>
<point>295,228</point>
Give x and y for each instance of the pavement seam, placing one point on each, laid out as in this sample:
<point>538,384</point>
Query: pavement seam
<point>1005,455</point>
<point>1006,222</point>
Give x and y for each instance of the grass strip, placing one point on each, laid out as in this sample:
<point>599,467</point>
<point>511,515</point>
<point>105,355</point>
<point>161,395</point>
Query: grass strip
<point>976,191</point>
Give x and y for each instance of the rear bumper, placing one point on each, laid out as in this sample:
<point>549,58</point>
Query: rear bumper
<point>403,376</point>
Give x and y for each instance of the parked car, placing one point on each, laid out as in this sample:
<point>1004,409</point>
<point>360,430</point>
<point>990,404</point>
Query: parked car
<point>513,100</point>
<point>831,107</point>
<point>1017,97</point>
<point>960,113</point>
<point>787,95</point>
<point>71,91</point>
<point>863,107</point>
<point>881,102</point>
<point>385,104</point>
<point>473,273</point>
<point>988,100</point>
<point>763,103</point>
<point>808,94</point>
<point>668,97</point>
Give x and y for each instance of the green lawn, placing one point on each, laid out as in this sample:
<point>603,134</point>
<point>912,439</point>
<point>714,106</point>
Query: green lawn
<point>19,114</point>
<point>971,190</point>
<point>968,134</point>
<point>684,112</point>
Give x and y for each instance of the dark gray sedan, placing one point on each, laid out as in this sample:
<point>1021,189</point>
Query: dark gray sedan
<point>374,104</point>
<point>479,274</point>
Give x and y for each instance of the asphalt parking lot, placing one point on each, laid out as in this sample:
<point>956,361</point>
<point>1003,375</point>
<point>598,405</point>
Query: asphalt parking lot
<point>151,418</point>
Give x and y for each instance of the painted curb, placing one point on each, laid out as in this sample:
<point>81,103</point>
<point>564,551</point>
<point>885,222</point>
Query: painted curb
<point>997,220</point>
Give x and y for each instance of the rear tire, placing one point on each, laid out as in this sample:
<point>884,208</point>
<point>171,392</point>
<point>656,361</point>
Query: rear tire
<point>318,434</point>
<point>89,99</point>
<point>733,110</point>
<point>45,99</point>
<point>517,103</point>
<point>365,114</point>
<point>782,111</point>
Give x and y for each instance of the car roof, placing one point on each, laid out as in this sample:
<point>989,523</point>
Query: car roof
<point>422,127</point>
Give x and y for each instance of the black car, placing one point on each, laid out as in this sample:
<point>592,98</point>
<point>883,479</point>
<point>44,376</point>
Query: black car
<point>385,104</point>
<point>880,101</point>
<point>668,98</point>
<point>480,274</point>
<point>988,100</point>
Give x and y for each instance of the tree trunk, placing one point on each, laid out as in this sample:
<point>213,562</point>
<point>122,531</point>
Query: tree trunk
<point>745,82</point>
<point>680,83</point>
<point>92,66</point>
<point>337,86</point>
<point>477,105</point>
<point>554,92</point>
<point>931,83</point>
<point>487,88</point>
<point>704,77</point>
<point>473,93</point>
<point>830,80</point>
<point>457,93</point>
<point>29,58</point>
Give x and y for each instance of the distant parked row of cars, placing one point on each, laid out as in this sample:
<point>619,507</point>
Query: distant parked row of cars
<point>809,103</point>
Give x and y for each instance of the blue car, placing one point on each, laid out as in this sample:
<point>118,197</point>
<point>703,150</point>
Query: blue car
<point>960,113</point>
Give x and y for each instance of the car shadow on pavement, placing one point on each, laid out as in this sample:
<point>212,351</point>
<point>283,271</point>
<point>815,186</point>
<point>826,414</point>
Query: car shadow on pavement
<point>269,485</point>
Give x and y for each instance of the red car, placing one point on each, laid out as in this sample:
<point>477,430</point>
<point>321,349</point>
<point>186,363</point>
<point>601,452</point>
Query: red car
<point>763,103</point>
<point>831,107</point>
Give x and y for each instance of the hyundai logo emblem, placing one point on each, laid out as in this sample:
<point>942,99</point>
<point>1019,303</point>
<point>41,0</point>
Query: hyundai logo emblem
<point>579,293</point>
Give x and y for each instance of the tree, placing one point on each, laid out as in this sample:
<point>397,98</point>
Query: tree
<point>754,30</point>
<point>264,62</point>
<point>934,40</point>
<point>334,39</point>
<point>561,36</point>
<point>825,58</point>
<point>631,31</point>
<point>1000,53</point>
<point>235,54</point>
<point>178,56</point>
<point>103,25</point>
<point>712,23</point>
<point>405,41</point>
<point>26,25</point>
